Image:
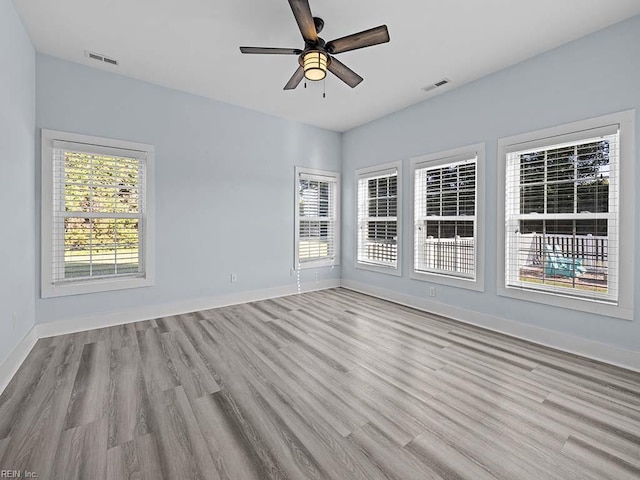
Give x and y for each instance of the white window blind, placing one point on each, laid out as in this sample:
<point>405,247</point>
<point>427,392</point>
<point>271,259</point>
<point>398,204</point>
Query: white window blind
<point>445,219</point>
<point>317,238</point>
<point>98,212</point>
<point>378,218</point>
<point>562,214</point>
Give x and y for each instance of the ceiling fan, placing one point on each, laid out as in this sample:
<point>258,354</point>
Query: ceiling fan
<point>318,56</point>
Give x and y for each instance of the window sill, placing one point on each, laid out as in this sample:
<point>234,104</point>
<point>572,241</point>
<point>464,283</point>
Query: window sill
<point>396,271</point>
<point>317,264</point>
<point>459,282</point>
<point>93,286</point>
<point>597,307</point>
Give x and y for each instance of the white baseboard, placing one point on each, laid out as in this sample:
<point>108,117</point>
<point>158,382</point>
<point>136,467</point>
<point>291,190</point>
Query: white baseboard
<point>80,324</point>
<point>10,366</point>
<point>629,359</point>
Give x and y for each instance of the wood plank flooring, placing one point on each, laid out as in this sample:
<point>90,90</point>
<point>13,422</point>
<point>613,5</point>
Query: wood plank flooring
<point>324,385</point>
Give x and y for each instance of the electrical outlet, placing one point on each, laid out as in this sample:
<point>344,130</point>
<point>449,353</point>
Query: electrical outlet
<point>432,291</point>
<point>234,278</point>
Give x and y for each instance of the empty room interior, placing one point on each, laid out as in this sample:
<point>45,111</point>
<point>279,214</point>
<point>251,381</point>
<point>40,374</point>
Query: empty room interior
<point>311,239</point>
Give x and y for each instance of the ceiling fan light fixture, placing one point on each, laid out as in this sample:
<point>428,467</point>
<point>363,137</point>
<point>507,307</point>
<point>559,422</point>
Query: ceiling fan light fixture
<point>314,63</point>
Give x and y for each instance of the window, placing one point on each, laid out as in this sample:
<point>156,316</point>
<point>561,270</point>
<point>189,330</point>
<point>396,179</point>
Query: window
<point>447,236</point>
<point>96,222</point>
<point>562,213</point>
<point>379,204</point>
<point>317,221</point>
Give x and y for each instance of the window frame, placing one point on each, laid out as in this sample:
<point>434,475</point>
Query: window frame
<point>321,175</point>
<point>623,309</point>
<point>373,172</point>
<point>49,288</point>
<point>441,158</point>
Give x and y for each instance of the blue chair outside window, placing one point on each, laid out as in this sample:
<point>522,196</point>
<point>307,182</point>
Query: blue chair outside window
<point>557,264</point>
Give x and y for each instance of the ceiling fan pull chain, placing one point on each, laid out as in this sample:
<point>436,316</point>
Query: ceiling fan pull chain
<point>324,88</point>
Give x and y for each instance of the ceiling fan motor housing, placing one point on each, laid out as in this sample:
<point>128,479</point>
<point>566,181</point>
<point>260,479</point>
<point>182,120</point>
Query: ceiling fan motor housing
<point>319,23</point>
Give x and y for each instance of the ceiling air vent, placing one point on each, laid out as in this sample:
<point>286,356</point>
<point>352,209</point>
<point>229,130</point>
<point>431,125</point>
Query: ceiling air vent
<point>101,58</point>
<point>433,86</point>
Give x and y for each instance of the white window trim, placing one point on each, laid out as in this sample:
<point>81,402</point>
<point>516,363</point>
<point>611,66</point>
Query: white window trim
<point>324,175</point>
<point>370,172</point>
<point>48,288</point>
<point>440,158</point>
<point>624,308</point>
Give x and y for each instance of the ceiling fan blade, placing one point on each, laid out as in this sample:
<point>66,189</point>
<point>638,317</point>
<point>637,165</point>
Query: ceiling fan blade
<point>367,38</point>
<point>344,73</point>
<point>295,79</point>
<point>271,51</point>
<point>302,12</point>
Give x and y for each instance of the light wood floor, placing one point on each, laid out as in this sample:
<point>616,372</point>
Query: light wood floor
<point>330,384</point>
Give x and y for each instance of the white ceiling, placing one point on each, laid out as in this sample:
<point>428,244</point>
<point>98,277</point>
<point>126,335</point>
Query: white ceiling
<point>192,45</point>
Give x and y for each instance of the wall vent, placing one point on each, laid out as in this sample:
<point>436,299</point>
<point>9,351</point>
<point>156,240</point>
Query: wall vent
<point>433,86</point>
<point>100,58</point>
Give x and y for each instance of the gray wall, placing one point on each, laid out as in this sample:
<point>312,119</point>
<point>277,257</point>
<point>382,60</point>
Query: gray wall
<point>224,182</point>
<point>17,132</point>
<point>592,76</point>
